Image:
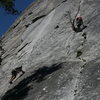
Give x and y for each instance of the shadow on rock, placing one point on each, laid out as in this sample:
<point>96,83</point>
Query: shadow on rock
<point>20,91</point>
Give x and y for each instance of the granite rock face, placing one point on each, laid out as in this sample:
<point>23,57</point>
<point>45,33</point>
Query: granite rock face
<point>59,63</point>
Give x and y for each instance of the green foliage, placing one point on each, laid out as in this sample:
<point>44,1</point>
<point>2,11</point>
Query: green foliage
<point>8,5</point>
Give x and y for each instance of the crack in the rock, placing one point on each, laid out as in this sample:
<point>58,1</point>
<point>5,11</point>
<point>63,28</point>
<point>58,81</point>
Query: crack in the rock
<point>23,46</point>
<point>37,18</point>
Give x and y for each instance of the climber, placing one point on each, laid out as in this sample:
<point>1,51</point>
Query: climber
<point>15,72</point>
<point>79,22</point>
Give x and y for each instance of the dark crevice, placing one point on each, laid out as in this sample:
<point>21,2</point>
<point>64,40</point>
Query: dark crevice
<point>37,18</point>
<point>23,47</point>
<point>16,25</point>
<point>64,1</point>
<point>56,27</point>
<point>27,25</point>
<point>34,20</point>
<point>79,53</point>
<point>6,56</point>
<point>30,13</point>
<point>20,91</point>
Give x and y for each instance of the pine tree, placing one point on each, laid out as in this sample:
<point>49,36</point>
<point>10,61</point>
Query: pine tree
<point>9,6</point>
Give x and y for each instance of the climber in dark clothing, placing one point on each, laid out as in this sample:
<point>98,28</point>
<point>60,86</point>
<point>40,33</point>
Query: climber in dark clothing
<point>15,73</point>
<point>79,24</point>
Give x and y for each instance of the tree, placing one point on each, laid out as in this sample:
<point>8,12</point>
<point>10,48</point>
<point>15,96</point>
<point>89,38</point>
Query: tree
<point>9,6</point>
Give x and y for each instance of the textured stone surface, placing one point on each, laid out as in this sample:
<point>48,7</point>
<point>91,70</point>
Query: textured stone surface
<point>43,42</point>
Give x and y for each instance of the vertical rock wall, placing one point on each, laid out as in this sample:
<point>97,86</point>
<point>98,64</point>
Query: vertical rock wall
<point>60,64</point>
